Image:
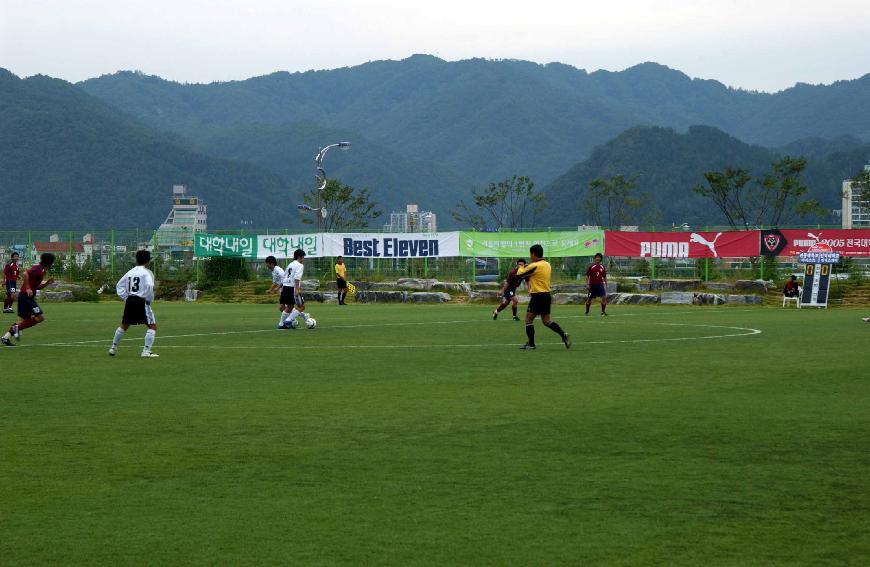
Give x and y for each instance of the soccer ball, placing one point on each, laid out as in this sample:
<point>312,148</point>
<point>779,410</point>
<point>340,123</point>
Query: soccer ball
<point>310,323</point>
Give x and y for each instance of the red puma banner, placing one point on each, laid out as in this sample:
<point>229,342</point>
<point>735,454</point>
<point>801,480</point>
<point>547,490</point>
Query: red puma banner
<point>731,244</point>
<point>854,242</point>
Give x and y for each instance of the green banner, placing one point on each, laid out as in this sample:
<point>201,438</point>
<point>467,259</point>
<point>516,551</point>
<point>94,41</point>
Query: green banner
<point>229,245</point>
<point>516,244</point>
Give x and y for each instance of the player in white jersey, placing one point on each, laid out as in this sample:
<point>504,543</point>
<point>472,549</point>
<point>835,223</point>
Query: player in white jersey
<point>291,294</point>
<point>277,282</point>
<point>136,288</point>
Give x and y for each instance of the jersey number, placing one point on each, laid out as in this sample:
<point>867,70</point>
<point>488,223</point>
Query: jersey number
<point>133,284</point>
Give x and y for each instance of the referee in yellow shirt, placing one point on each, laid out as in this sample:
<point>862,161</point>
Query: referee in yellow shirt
<point>341,279</point>
<point>538,272</point>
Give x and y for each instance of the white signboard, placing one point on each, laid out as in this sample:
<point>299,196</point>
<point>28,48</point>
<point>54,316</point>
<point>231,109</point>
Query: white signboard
<point>391,245</point>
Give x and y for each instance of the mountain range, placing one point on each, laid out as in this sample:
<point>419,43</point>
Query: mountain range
<point>106,151</point>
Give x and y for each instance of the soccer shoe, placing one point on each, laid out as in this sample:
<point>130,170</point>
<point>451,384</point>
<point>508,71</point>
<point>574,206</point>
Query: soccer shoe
<point>112,351</point>
<point>494,315</point>
<point>516,318</point>
<point>567,340</point>
<point>527,346</point>
<point>8,310</point>
<point>149,354</point>
<point>866,319</point>
<point>6,341</point>
<point>15,332</point>
<point>603,314</point>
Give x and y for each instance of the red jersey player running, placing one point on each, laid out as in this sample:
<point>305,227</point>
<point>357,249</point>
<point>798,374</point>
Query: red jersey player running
<point>10,272</point>
<point>29,312</point>
<point>596,283</point>
<point>509,291</point>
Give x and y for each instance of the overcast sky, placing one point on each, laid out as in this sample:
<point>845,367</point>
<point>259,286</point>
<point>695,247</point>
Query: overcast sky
<point>753,44</point>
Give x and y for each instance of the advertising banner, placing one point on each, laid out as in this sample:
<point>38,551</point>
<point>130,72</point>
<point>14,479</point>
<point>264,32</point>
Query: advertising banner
<point>391,245</point>
<point>228,245</point>
<point>257,247</point>
<point>516,244</point>
<point>731,244</point>
<point>791,242</point>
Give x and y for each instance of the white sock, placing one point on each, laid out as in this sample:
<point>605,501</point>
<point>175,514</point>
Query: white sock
<point>8,335</point>
<point>150,335</point>
<point>305,315</point>
<point>119,334</point>
<point>284,316</point>
<point>294,314</point>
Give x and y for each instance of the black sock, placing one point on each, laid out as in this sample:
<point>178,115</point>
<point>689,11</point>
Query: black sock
<point>603,307</point>
<point>554,326</point>
<point>587,308</point>
<point>530,332</point>
<point>514,309</point>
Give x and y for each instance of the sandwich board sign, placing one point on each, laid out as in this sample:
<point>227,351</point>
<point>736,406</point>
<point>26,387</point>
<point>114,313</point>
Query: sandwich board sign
<point>817,274</point>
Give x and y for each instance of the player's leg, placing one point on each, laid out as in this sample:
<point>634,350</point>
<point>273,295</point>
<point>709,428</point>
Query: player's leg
<point>151,333</point>
<point>604,301</point>
<point>554,326</point>
<point>119,335</point>
<point>501,306</point>
<point>514,303</point>
<point>530,324</point>
<point>588,300</point>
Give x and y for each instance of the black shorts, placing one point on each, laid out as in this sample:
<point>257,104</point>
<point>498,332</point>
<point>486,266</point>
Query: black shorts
<point>137,312</point>
<point>28,307</point>
<point>539,303</point>
<point>597,290</point>
<point>341,283</point>
<point>289,297</point>
<point>509,294</point>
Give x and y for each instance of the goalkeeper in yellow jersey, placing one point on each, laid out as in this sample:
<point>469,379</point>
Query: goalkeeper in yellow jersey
<point>538,272</point>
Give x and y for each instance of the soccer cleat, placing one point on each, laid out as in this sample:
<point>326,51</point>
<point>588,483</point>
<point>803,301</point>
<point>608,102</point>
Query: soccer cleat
<point>567,340</point>
<point>527,346</point>
<point>603,314</point>
<point>149,354</point>
<point>112,351</point>
<point>866,319</point>
<point>6,341</point>
<point>494,315</point>
<point>8,310</point>
<point>516,318</point>
<point>15,332</point>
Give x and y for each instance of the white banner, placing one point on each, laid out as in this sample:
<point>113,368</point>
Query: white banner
<point>391,245</point>
<point>283,245</point>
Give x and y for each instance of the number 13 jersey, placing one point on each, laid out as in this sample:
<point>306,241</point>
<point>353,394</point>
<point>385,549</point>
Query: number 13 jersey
<point>139,282</point>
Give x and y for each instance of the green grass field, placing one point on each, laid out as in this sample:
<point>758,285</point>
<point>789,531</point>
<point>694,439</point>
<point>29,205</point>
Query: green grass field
<point>410,435</point>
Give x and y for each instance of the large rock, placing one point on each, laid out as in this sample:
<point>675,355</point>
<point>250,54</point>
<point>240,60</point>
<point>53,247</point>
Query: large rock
<point>709,299</point>
<point>381,296</point>
<point>744,299</point>
<point>677,298</point>
<point>65,295</point>
<point>488,285</point>
<point>632,298</point>
<point>569,288</point>
<point>321,297</point>
<point>415,283</point>
<point>757,286</point>
<point>310,285</point>
<point>719,286</point>
<point>429,297</point>
<point>674,285</point>
<point>457,287</point>
<point>568,298</point>
<point>484,295</point>
<point>63,286</point>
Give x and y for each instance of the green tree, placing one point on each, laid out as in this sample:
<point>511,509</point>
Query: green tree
<point>513,203</point>
<point>613,202</point>
<point>346,207</point>
<point>861,188</point>
<point>770,201</point>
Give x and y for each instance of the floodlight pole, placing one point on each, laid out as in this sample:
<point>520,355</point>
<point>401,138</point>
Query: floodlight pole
<point>320,176</point>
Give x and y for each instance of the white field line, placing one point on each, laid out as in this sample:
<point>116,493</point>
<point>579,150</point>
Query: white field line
<point>744,331</point>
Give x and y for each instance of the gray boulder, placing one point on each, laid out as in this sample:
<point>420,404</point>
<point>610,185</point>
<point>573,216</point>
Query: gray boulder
<point>65,295</point>
<point>457,287</point>
<point>744,299</point>
<point>632,298</point>
<point>487,285</point>
<point>718,286</point>
<point>756,286</point>
<point>674,285</point>
<point>429,297</point>
<point>709,299</point>
<point>62,286</point>
<point>310,285</point>
<point>381,296</point>
<point>568,298</point>
<point>677,298</point>
<point>484,295</point>
<point>415,283</point>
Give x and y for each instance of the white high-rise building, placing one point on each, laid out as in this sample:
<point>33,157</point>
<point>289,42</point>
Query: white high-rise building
<point>412,220</point>
<point>856,213</point>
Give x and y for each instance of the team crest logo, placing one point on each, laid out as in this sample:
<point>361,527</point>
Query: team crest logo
<point>771,240</point>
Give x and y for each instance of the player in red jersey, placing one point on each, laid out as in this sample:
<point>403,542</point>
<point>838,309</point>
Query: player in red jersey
<point>10,272</point>
<point>596,283</point>
<point>509,291</point>
<point>29,312</point>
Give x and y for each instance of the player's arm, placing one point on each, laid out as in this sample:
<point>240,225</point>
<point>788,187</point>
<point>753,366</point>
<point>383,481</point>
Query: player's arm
<point>527,271</point>
<point>121,288</point>
<point>149,288</point>
<point>46,283</point>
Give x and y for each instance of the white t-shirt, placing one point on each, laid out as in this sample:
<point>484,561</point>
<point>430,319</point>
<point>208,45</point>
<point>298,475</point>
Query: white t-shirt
<point>293,273</point>
<point>277,275</point>
<point>139,281</point>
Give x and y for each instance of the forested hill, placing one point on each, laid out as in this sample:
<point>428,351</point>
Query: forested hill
<point>68,160</point>
<point>668,164</point>
<point>488,120</point>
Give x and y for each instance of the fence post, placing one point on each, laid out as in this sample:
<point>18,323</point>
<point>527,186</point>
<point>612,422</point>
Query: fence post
<point>30,245</point>
<point>112,254</point>
<point>652,267</point>
<point>761,266</point>
<point>69,256</point>
<point>706,269</point>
